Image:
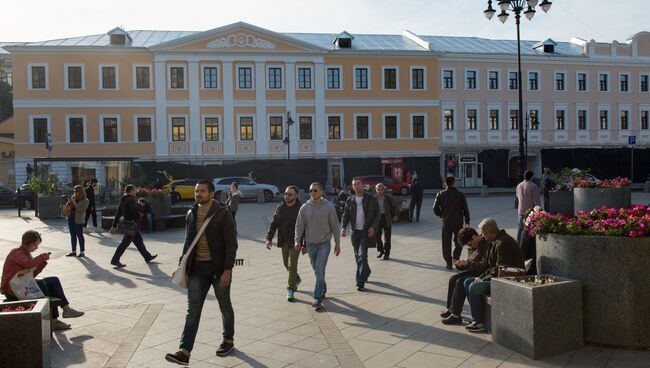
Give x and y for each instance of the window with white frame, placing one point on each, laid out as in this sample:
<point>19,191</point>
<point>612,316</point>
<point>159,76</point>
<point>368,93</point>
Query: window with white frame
<point>390,78</point>
<point>177,77</point>
<point>275,78</point>
<point>211,129</point>
<point>559,119</point>
<point>493,79</point>
<point>390,127</point>
<point>582,119</point>
<point>275,128</point>
<point>361,78</point>
<point>333,78</point>
<point>304,78</point>
<point>533,81</point>
<point>362,127</point>
<point>245,77</point>
<point>559,81</point>
<point>603,119</point>
<point>304,128</point>
<point>513,80</point>
<point>74,77</point>
<point>624,120</point>
<point>110,129</point>
<point>334,127</point>
<point>418,126</point>
<point>38,77</point>
<point>246,128</point>
<point>40,129</point>
<point>142,77</point>
<point>417,78</point>
<point>76,129</point>
<point>603,79</point>
<point>447,79</point>
<point>514,119</point>
<point>582,81</point>
<point>472,123</point>
<point>470,79</point>
<point>494,119</point>
<point>643,82</point>
<point>144,128</point>
<point>533,118</point>
<point>449,119</point>
<point>644,119</point>
<point>624,82</point>
<point>178,129</point>
<point>210,77</point>
<point>109,77</point>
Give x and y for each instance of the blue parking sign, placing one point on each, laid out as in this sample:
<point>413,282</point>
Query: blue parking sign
<point>631,140</point>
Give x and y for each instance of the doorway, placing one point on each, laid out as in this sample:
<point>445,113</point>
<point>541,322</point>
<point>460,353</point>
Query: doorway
<point>335,174</point>
<point>472,174</point>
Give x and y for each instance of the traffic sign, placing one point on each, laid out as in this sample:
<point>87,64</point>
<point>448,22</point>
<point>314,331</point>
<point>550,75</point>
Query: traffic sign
<point>631,140</point>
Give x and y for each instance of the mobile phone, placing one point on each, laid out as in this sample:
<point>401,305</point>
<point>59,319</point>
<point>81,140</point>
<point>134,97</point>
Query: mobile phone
<point>49,252</point>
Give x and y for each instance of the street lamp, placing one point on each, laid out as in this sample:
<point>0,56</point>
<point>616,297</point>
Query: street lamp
<point>287,141</point>
<point>517,7</point>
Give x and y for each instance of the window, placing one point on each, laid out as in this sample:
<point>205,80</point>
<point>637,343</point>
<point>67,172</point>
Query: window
<point>142,77</point>
<point>582,82</point>
<point>470,79</point>
<point>417,78</point>
<point>471,120</point>
<point>512,80</point>
<point>533,116</point>
<point>246,78</point>
<point>494,119</point>
<point>211,129</point>
<point>418,126</point>
<point>6,77</point>
<point>644,119</point>
<point>333,78</point>
<point>390,127</point>
<point>76,129</point>
<point>624,120</point>
<point>602,82</point>
<point>177,77</point>
<point>109,77</point>
<point>559,81</point>
<point>447,79</point>
<point>110,129</point>
<point>493,79</point>
<point>390,78</point>
<point>603,119</point>
<point>624,80</point>
<point>275,128</point>
<point>361,78</point>
<point>304,127</point>
<point>275,78</point>
<point>533,81</point>
<point>246,128</point>
<point>144,129</point>
<point>514,119</point>
<point>178,129</point>
<point>304,78</point>
<point>334,127</point>
<point>559,119</point>
<point>40,130</point>
<point>39,77</point>
<point>582,119</point>
<point>449,119</point>
<point>210,77</point>
<point>362,127</point>
<point>643,79</point>
<point>74,77</point>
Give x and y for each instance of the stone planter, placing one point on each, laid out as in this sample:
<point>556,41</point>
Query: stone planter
<point>561,202</point>
<point>160,207</point>
<point>537,321</point>
<point>587,199</point>
<point>615,279</point>
<point>25,337</point>
<point>49,207</point>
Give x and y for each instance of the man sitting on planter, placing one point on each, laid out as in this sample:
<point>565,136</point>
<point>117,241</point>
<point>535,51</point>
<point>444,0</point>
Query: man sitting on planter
<point>502,253</point>
<point>475,265</point>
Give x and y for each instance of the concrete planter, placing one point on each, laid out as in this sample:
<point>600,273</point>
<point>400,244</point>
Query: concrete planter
<point>49,207</point>
<point>561,202</point>
<point>587,199</point>
<point>615,279</point>
<point>25,337</point>
<point>537,321</point>
<point>160,207</point>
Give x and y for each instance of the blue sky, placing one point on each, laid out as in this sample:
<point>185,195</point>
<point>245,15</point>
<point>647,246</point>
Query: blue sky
<point>35,20</point>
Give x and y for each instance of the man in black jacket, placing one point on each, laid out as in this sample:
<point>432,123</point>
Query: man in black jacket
<point>129,210</point>
<point>209,264</point>
<point>417,194</point>
<point>451,206</point>
<point>91,210</point>
<point>284,221</point>
<point>362,213</point>
<point>388,211</point>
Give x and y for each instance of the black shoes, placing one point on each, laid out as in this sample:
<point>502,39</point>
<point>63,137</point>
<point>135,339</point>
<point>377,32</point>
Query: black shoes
<point>71,254</point>
<point>361,288</point>
<point>151,258</point>
<point>178,357</point>
<point>453,320</point>
<point>386,257</point>
<point>381,254</point>
<point>449,266</point>
<point>445,314</point>
<point>118,264</point>
<point>225,348</point>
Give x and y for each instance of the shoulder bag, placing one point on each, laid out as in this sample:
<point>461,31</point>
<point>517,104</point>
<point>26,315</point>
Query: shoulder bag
<point>179,277</point>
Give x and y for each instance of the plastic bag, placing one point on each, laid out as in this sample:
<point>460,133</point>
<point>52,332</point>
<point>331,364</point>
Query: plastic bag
<point>24,285</point>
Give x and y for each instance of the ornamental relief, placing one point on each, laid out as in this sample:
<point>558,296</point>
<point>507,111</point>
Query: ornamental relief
<point>240,40</point>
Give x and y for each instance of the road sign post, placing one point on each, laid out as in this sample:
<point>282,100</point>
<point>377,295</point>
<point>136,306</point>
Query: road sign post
<point>631,141</point>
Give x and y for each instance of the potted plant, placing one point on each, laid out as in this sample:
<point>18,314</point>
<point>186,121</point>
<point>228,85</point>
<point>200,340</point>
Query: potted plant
<point>589,194</point>
<point>608,250</point>
<point>561,196</point>
<point>25,340</point>
<point>49,196</point>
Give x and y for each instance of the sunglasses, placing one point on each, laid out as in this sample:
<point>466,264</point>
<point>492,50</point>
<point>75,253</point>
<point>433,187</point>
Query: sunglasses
<point>289,194</point>
<point>313,190</point>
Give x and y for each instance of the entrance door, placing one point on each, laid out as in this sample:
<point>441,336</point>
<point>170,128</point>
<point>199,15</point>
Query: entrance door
<point>472,174</point>
<point>335,174</point>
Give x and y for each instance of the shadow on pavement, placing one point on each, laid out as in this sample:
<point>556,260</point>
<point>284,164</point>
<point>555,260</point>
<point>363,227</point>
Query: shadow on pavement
<point>97,273</point>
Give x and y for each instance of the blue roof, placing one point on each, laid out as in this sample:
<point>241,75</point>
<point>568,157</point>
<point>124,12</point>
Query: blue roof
<point>366,42</point>
<point>477,45</point>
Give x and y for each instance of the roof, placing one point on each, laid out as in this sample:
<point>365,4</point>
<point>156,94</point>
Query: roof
<point>365,42</point>
<point>3,44</point>
<point>477,45</point>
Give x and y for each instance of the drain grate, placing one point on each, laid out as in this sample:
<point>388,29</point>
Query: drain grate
<point>239,262</point>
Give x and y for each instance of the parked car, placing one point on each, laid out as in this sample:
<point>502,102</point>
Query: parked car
<point>26,199</point>
<point>181,189</point>
<point>6,197</point>
<point>396,187</point>
<point>248,187</point>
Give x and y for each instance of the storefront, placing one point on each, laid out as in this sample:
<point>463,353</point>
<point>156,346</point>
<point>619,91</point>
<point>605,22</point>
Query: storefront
<point>393,168</point>
<point>465,168</point>
<point>110,173</point>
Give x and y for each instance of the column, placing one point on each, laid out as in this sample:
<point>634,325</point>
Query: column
<point>229,122</point>
<point>261,122</point>
<point>195,109</point>
<point>320,122</point>
<point>290,93</point>
<point>162,142</point>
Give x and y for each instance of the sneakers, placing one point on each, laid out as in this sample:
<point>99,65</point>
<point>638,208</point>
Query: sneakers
<point>361,288</point>
<point>445,314</point>
<point>225,348</point>
<point>59,326</point>
<point>178,357</point>
<point>452,320</point>
<point>71,254</point>
<point>475,327</point>
<point>81,255</point>
<point>380,254</point>
<point>151,258</point>
<point>72,313</point>
<point>290,296</point>
<point>317,304</point>
<point>117,264</point>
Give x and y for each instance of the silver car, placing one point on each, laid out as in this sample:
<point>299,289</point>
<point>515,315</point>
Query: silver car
<point>248,187</point>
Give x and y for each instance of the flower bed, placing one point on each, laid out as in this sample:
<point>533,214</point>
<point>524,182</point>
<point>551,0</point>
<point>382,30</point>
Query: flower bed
<point>17,307</point>
<point>152,193</point>
<point>617,182</point>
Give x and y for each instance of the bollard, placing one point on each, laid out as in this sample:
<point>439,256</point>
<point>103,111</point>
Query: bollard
<point>260,196</point>
<point>484,191</point>
<point>19,204</point>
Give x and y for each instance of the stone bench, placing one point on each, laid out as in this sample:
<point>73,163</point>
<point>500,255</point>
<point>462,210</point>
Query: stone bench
<point>159,223</point>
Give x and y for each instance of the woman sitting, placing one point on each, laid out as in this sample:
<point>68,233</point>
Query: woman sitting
<point>20,259</point>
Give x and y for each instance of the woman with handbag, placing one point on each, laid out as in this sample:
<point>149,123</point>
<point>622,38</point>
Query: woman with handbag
<point>233,200</point>
<point>129,225</point>
<point>76,208</point>
<point>20,259</point>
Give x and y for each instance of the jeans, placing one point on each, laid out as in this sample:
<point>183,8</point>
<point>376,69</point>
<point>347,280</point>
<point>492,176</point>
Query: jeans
<point>51,286</point>
<point>290,259</point>
<point>475,291</point>
<point>547,202</point>
<point>149,218</point>
<point>126,240</point>
<point>199,283</point>
<point>359,239</point>
<point>456,291</point>
<point>417,204</point>
<point>76,232</point>
<point>449,231</point>
<point>383,247</point>
<point>90,212</point>
<point>520,228</point>
<point>318,255</point>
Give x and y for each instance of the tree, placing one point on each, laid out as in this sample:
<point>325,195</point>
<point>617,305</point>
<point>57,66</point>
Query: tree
<point>6,94</point>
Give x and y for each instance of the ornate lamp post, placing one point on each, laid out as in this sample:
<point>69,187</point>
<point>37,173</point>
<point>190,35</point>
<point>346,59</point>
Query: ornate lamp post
<point>517,7</point>
<point>287,141</point>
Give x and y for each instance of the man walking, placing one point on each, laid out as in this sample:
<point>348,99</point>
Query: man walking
<point>316,224</point>
<point>361,212</point>
<point>129,209</point>
<point>451,206</point>
<point>547,185</point>
<point>284,221</point>
<point>388,211</point>
<point>209,264</point>
<point>417,193</point>
<point>91,210</point>
<point>527,198</point>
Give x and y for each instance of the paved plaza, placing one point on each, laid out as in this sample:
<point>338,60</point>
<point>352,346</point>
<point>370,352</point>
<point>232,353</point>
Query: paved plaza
<point>135,315</point>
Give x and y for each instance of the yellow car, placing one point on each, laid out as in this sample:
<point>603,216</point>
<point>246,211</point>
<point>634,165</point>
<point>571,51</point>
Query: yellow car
<point>181,189</point>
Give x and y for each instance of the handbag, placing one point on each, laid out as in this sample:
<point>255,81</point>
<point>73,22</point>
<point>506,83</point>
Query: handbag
<point>127,227</point>
<point>65,210</point>
<point>179,277</point>
<point>24,286</point>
